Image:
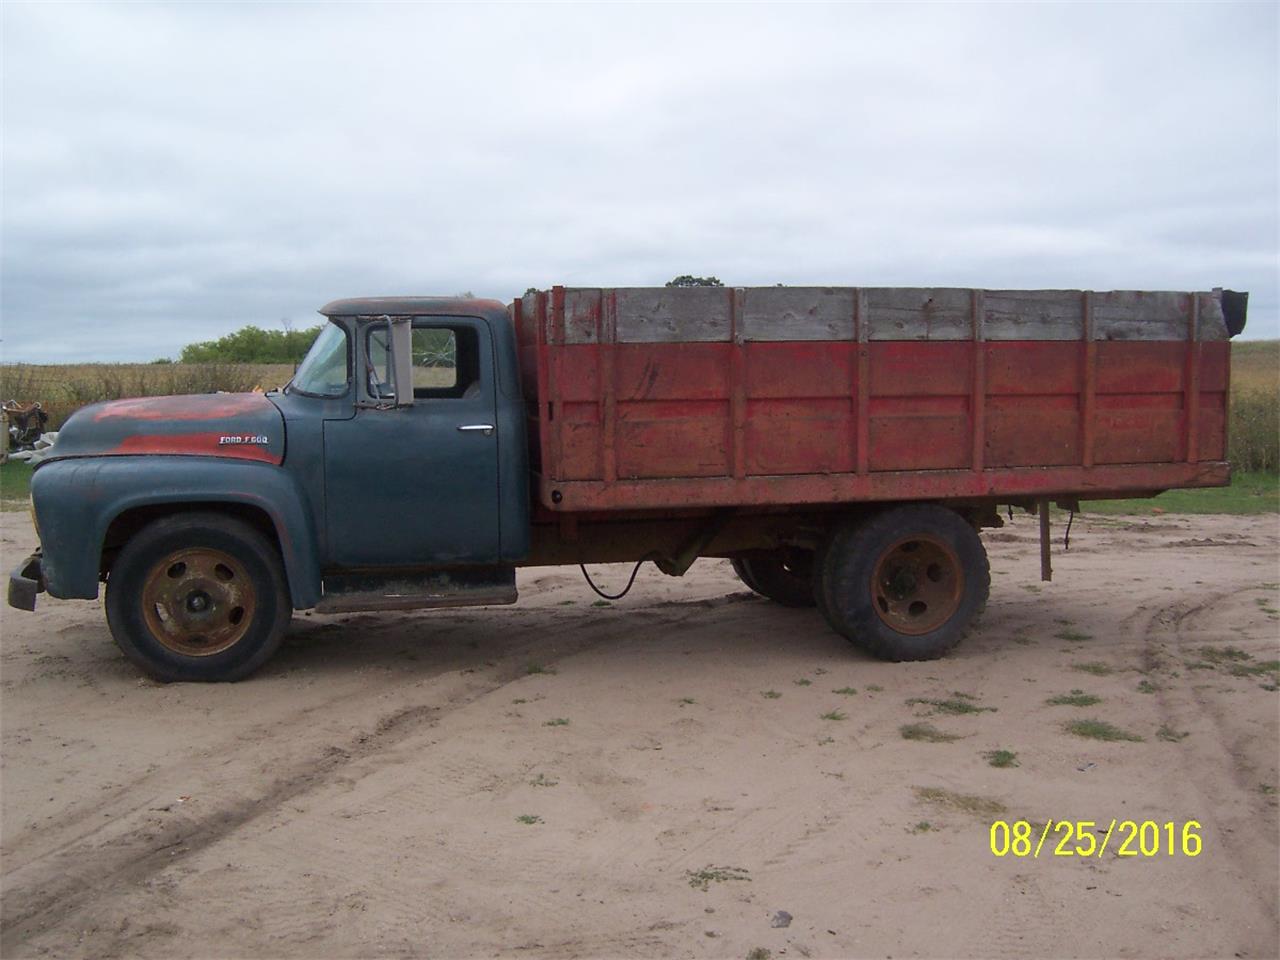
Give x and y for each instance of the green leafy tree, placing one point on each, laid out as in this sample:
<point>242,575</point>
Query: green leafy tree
<point>690,281</point>
<point>252,345</point>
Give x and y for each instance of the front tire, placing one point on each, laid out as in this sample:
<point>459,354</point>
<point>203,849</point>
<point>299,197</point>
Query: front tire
<point>905,583</point>
<point>198,597</point>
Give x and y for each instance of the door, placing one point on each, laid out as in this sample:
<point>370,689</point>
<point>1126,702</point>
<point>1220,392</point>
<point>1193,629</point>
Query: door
<point>418,485</point>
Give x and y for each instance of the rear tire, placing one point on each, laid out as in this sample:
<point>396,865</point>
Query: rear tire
<point>198,597</point>
<point>784,576</point>
<point>906,583</point>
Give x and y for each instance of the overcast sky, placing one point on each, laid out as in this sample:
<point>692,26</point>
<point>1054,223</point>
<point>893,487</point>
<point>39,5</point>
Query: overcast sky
<point>173,172</point>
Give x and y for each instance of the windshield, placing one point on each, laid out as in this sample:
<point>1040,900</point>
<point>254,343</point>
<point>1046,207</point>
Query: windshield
<point>323,371</point>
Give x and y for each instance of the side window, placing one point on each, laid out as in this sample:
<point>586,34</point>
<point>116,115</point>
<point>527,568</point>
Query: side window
<point>435,360</point>
<point>446,361</point>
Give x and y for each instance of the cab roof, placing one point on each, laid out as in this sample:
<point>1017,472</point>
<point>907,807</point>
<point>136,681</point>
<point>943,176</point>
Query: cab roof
<point>411,307</point>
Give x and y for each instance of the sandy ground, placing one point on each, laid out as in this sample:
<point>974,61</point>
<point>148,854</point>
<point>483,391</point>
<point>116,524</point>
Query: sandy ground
<point>360,796</point>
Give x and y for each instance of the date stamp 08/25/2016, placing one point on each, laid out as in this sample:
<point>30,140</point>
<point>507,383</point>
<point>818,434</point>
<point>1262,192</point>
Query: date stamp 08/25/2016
<point>1090,838</point>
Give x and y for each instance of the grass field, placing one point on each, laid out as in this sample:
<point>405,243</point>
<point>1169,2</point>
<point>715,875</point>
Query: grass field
<point>1248,493</point>
<point>64,388</point>
<point>1255,406</point>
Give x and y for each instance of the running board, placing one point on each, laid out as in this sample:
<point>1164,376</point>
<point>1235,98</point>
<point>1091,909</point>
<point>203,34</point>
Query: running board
<point>418,590</point>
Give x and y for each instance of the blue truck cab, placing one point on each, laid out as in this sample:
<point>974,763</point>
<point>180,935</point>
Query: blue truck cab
<point>391,472</point>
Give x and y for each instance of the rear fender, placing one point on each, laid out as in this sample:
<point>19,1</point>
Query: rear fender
<point>77,500</point>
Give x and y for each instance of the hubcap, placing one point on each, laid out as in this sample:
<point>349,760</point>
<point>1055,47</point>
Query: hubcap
<point>917,584</point>
<point>198,601</point>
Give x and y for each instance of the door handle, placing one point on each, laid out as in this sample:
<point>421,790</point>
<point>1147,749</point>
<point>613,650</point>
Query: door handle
<point>485,428</point>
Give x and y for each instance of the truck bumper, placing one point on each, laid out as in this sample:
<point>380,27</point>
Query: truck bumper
<point>25,582</point>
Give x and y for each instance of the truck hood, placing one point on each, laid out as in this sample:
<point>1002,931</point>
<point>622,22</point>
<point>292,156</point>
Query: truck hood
<point>238,426</point>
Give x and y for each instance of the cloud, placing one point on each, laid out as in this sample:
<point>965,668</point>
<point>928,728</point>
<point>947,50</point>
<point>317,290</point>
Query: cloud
<point>174,172</point>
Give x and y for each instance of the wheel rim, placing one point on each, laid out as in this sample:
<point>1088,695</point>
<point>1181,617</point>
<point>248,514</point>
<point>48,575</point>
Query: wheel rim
<point>917,584</point>
<point>198,601</point>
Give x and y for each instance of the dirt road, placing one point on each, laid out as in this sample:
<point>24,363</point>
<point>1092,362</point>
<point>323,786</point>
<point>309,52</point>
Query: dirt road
<point>363,795</point>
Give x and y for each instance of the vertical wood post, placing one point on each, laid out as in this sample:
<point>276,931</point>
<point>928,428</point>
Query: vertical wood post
<point>556,339</point>
<point>1191,398</point>
<point>978,401</point>
<point>737,384</point>
<point>539,321</point>
<point>607,351</point>
<point>1089,397</point>
<point>862,383</point>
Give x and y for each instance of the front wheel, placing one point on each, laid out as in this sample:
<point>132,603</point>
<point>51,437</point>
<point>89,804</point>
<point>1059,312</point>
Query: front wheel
<point>905,583</point>
<point>198,597</point>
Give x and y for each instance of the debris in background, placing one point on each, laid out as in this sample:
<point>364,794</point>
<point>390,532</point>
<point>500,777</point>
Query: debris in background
<point>24,423</point>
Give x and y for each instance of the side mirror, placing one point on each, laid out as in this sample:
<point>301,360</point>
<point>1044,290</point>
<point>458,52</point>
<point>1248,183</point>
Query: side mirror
<point>401,365</point>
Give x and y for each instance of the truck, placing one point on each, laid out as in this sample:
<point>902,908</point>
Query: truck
<point>843,447</point>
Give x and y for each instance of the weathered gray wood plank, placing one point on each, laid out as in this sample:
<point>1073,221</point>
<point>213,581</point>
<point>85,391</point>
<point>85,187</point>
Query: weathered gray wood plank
<point>701,314</point>
<point>685,314</point>
<point>798,313</point>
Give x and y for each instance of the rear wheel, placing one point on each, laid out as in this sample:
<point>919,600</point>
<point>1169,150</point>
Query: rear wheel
<point>198,597</point>
<point>905,583</point>
<point>784,576</point>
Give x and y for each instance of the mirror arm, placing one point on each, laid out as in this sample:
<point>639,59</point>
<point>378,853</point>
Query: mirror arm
<point>400,335</point>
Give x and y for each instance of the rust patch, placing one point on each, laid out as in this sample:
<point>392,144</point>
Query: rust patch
<point>191,407</point>
<point>193,444</point>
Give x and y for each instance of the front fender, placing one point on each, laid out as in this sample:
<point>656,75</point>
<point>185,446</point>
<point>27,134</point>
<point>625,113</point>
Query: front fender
<point>76,501</point>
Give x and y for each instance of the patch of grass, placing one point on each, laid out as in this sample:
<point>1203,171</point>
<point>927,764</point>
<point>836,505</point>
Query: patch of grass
<point>1002,758</point>
<point>1170,735</point>
<point>803,682</point>
<point>519,700</point>
<point>1254,669</point>
<point>833,715</point>
<point>770,694</point>
<point>959,703</point>
<point>557,722</point>
<point>1073,636</point>
<point>686,701</point>
<point>925,732</point>
<point>1076,698</point>
<point>528,818</point>
<point>1249,493</point>
<point>1031,587</point>
<point>1198,665</point>
<point>1266,789</point>
<point>924,826</point>
<point>1100,730</point>
<point>1223,654</point>
<point>1146,686</point>
<point>759,953</point>
<point>15,483</point>
<point>1094,667</point>
<point>566,603</point>
<point>602,603</point>
<point>536,668</point>
<point>874,688</point>
<point>845,691</point>
<point>702,879</point>
<point>978,806</point>
<point>542,780</point>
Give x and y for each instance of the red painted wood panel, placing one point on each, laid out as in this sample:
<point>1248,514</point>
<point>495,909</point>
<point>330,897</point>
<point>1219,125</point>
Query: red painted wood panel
<point>673,407</point>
